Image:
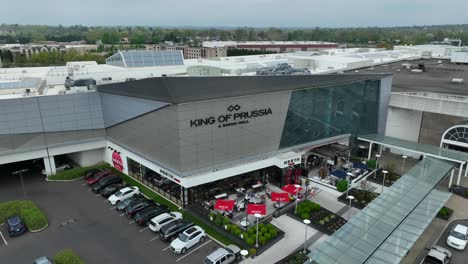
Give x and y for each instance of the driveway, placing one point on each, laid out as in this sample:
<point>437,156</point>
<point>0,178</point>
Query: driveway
<point>86,223</point>
<point>458,257</point>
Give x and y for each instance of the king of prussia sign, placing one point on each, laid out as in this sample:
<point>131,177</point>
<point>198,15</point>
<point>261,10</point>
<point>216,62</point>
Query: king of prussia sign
<point>231,119</point>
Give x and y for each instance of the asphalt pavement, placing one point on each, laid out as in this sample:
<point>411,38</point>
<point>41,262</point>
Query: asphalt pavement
<point>458,256</point>
<point>88,224</point>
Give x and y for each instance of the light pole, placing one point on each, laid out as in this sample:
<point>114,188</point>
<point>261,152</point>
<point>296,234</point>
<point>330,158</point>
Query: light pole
<point>257,216</point>
<point>349,174</point>
<point>377,164</point>
<point>297,196</point>
<point>383,182</point>
<point>244,254</point>
<point>350,198</point>
<point>306,222</point>
<point>403,165</point>
<point>20,172</point>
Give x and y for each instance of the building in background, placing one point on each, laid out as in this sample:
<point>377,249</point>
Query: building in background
<point>272,46</point>
<point>29,49</point>
<point>192,52</point>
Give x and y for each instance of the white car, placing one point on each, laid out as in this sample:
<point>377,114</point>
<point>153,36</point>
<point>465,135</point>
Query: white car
<point>188,239</point>
<point>458,237</point>
<point>123,194</point>
<point>163,219</point>
<point>59,168</point>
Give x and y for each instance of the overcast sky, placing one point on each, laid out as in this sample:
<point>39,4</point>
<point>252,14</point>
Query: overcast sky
<point>254,13</point>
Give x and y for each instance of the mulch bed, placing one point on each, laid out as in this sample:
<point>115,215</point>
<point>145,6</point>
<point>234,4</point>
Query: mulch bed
<point>361,198</point>
<point>322,220</point>
<point>390,179</point>
<point>445,213</point>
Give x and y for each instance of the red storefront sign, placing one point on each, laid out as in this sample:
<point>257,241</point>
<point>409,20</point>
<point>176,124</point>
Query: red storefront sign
<point>256,209</point>
<point>224,205</point>
<point>280,197</point>
<point>117,161</point>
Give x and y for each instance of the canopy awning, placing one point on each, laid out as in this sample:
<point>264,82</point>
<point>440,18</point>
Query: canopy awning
<point>339,174</point>
<point>292,189</point>
<point>224,205</point>
<point>280,197</point>
<point>387,228</point>
<point>256,209</point>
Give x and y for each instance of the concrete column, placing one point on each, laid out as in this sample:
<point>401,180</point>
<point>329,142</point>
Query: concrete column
<point>49,165</point>
<point>466,169</point>
<point>451,178</point>
<point>370,151</point>
<point>380,149</point>
<point>460,173</point>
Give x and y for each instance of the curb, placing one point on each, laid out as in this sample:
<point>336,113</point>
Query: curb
<point>39,230</point>
<point>49,180</point>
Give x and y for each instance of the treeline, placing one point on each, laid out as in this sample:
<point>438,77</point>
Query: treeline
<point>54,58</point>
<point>193,36</point>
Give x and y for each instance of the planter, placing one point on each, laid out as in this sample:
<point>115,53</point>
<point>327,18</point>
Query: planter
<point>445,213</point>
<point>296,257</point>
<point>361,198</point>
<point>322,220</point>
<point>389,179</point>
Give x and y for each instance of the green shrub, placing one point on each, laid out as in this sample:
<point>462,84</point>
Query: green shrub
<point>261,240</point>
<point>260,226</point>
<point>250,231</point>
<point>372,163</point>
<point>67,256</point>
<point>315,207</point>
<point>267,236</point>
<point>228,227</point>
<point>211,214</point>
<point>273,232</point>
<point>270,226</point>
<point>33,217</point>
<point>253,252</point>
<point>305,216</point>
<point>218,221</point>
<point>264,229</point>
<point>226,220</point>
<point>466,192</point>
<point>250,241</point>
<point>245,235</point>
<point>342,185</point>
<point>237,232</point>
<point>75,173</point>
<point>299,211</point>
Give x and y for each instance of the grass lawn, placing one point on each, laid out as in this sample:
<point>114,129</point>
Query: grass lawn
<point>67,256</point>
<point>74,173</point>
<point>33,217</point>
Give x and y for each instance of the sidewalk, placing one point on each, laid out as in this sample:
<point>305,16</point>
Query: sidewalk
<point>293,239</point>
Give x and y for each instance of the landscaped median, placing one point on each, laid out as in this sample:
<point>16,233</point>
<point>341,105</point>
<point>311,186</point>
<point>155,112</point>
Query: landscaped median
<point>67,256</point>
<point>33,217</point>
<point>75,173</point>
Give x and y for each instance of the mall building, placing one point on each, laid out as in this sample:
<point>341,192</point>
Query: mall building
<point>194,131</point>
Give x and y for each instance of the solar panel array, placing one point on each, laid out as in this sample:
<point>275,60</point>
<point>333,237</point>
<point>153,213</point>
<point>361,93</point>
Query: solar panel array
<point>143,58</point>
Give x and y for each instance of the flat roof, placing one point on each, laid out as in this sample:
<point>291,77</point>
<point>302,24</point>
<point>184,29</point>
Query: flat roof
<point>425,149</point>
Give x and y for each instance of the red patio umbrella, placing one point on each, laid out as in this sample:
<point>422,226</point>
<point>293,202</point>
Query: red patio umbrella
<point>224,205</point>
<point>292,189</point>
<point>256,209</point>
<point>280,197</point>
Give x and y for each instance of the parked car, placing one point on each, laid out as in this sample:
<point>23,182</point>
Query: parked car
<point>59,168</point>
<point>226,255</point>
<point>458,237</point>
<point>173,229</point>
<point>123,205</point>
<point>156,178</point>
<point>157,222</point>
<point>111,189</point>
<point>187,239</point>
<point>15,226</point>
<point>143,216</point>
<point>43,260</point>
<point>106,181</point>
<point>92,172</point>
<point>97,177</point>
<point>123,194</point>
<point>136,206</point>
<point>437,255</point>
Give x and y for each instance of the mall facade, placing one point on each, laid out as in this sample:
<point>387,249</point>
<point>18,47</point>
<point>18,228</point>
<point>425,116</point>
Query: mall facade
<point>193,131</point>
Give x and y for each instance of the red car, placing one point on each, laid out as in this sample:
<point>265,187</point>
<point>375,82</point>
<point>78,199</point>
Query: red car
<point>90,180</point>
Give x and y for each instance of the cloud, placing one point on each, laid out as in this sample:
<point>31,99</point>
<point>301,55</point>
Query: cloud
<point>259,13</point>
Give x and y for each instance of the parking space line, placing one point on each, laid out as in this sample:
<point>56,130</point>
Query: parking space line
<point>186,254</point>
<point>131,222</point>
<point>143,229</point>
<point>83,184</point>
<point>154,238</point>
<point>166,248</point>
<point>97,194</point>
<point>113,207</point>
<point>89,190</point>
<point>122,215</point>
<point>4,240</point>
<point>106,201</point>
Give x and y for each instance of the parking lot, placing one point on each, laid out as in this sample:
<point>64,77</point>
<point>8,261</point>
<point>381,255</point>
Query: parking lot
<point>458,257</point>
<point>86,223</point>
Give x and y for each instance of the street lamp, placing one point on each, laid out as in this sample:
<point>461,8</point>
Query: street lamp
<point>244,254</point>
<point>383,182</point>
<point>257,215</point>
<point>297,196</point>
<point>306,223</point>
<point>377,164</point>
<point>20,172</point>
<point>349,174</point>
<point>350,198</point>
<point>403,165</point>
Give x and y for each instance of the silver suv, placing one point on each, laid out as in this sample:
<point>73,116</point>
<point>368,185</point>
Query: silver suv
<point>437,255</point>
<point>225,255</point>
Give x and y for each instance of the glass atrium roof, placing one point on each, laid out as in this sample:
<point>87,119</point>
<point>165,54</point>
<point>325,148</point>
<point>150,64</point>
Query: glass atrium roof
<point>144,58</point>
<point>429,150</point>
<point>386,229</point>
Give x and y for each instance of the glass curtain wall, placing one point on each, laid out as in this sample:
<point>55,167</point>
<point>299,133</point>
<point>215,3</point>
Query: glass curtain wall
<point>319,113</point>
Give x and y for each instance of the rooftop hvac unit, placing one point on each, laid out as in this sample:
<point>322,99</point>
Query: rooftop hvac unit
<point>458,80</point>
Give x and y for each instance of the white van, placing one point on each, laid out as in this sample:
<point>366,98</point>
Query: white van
<point>163,219</point>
